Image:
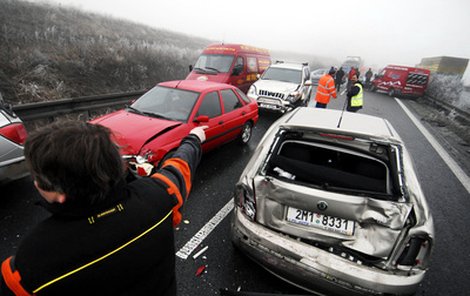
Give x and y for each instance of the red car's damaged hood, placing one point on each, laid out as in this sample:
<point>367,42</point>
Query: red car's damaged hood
<point>131,131</point>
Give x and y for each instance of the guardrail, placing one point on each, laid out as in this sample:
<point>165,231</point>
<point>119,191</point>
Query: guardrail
<point>85,106</point>
<point>460,115</point>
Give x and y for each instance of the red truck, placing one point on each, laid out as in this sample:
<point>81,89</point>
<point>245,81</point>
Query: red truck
<point>402,81</point>
<point>235,64</point>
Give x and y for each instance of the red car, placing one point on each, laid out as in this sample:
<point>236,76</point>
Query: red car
<point>152,127</point>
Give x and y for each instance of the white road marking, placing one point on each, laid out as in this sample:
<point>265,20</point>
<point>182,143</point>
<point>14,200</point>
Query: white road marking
<point>454,167</point>
<point>194,242</point>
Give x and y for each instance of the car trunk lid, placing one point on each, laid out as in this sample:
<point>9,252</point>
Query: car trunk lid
<point>313,214</point>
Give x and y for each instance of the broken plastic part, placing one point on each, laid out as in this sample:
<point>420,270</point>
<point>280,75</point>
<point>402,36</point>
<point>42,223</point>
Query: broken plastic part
<point>200,270</point>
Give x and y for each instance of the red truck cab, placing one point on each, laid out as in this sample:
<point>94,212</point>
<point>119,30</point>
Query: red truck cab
<point>234,64</point>
<point>402,81</point>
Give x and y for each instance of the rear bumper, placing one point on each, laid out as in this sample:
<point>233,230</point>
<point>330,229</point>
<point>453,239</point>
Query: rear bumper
<point>13,170</point>
<point>314,269</point>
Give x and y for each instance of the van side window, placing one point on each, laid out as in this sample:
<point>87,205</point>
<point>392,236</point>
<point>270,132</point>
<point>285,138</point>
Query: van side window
<point>252,65</point>
<point>263,64</point>
<point>230,99</point>
<point>210,105</point>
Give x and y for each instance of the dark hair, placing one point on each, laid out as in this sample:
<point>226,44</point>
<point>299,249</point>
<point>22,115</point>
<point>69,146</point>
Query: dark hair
<point>75,158</point>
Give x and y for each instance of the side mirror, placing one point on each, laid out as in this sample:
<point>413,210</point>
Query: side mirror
<point>190,68</point>
<point>308,83</point>
<point>201,118</point>
<point>258,76</point>
<point>237,70</point>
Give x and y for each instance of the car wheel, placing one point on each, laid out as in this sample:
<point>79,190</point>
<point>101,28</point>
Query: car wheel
<point>373,88</point>
<point>246,133</point>
<point>391,92</point>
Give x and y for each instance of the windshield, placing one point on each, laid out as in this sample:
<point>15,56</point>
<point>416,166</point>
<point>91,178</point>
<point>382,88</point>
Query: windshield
<point>217,63</point>
<point>287,75</point>
<point>166,103</point>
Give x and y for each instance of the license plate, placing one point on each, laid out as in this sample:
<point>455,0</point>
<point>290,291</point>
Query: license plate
<point>321,221</point>
<point>268,106</point>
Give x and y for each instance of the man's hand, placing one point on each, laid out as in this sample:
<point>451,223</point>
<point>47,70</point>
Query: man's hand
<point>199,132</point>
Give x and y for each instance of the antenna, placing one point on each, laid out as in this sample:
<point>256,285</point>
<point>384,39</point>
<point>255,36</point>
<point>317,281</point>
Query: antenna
<point>342,111</point>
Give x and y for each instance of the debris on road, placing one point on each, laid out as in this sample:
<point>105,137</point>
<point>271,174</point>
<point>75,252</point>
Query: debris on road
<point>200,270</point>
<point>200,252</point>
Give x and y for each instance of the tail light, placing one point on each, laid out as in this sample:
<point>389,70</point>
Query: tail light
<point>415,252</point>
<point>337,136</point>
<point>246,200</point>
<point>15,132</point>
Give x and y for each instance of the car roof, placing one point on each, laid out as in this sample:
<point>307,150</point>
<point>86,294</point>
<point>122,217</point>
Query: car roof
<point>351,123</point>
<point>195,85</point>
<point>294,66</point>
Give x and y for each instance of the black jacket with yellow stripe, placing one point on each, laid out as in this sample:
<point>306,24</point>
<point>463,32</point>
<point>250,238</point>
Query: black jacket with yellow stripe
<point>123,246</point>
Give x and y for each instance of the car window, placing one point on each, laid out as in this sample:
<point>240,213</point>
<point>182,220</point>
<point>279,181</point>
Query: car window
<point>210,105</point>
<point>230,99</point>
<point>243,96</point>
<point>331,168</point>
<point>306,74</point>
<point>252,65</point>
<point>287,75</point>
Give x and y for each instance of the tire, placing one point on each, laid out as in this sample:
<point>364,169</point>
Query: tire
<point>246,133</point>
<point>391,92</point>
<point>373,88</point>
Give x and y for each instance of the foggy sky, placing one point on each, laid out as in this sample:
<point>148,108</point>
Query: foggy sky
<point>381,32</point>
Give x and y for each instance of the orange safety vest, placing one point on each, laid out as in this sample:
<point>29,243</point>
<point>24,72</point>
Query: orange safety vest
<point>325,89</point>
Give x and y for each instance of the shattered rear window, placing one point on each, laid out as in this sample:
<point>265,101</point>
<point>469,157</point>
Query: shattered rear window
<point>329,167</point>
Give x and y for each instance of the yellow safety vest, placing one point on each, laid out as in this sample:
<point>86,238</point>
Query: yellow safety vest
<point>356,101</point>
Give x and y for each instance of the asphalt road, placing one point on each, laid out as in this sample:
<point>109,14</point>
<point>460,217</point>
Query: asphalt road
<point>225,267</point>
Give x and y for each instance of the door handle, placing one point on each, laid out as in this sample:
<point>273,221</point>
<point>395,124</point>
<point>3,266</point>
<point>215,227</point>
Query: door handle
<point>243,113</point>
<point>221,122</point>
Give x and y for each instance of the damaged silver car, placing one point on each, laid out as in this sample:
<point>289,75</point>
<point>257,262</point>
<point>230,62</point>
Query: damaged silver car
<point>334,206</point>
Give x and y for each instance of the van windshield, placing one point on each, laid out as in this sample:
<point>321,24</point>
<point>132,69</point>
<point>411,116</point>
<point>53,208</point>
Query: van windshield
<point>218,63</point>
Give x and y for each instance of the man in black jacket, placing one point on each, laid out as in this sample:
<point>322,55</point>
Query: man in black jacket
<point>107,235</point>
<point>339,79</point>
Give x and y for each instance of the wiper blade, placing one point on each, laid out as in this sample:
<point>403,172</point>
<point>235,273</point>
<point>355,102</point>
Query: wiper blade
<point>134,110</point>
<point>200,69</point>
<point>156,115</point>
<point>213,69</point>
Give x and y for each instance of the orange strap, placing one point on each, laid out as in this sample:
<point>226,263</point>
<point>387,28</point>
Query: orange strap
<point>172,189</point>
<point>183,167</point>
<point>13,279</point>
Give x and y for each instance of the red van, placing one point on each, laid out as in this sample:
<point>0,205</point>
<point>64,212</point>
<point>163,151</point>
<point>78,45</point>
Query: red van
<point>234,64</point>
<point>402,80</point>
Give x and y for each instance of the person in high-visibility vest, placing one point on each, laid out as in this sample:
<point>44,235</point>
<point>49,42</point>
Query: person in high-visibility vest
<point>355,95</point>
<point>326,89</point>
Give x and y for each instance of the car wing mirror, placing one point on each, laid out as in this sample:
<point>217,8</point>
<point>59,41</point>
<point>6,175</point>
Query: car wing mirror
<point>308,83</point>
<point>202,118</point>
<point>258,76</point>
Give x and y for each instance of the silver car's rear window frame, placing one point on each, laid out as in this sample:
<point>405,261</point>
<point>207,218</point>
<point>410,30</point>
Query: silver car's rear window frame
<point>342,150</point>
